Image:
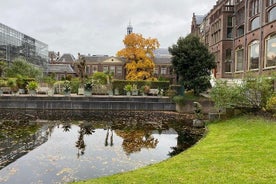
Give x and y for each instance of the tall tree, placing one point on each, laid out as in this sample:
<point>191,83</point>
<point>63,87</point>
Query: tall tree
<point>192,63</point>
<point>3,67</point>
<point>21,67</point>
<point>139,55</point>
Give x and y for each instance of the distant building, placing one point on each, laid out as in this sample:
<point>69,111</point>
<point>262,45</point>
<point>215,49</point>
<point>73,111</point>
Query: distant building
<point>67,64</point>
<point>242,36</point>
<point>104,63</point>
<point>163,66</point>
<point>15,44</point>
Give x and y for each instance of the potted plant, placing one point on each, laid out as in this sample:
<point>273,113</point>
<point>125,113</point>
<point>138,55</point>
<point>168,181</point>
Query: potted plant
<point>12,84</point>
<point>32,87</point>
<point>21,84</point>
<point>145,89</point>
<point>134,90</point>
<point>128,89</point>
<point>67,87</point>
<point>3,83</point>
<point>88,87</point>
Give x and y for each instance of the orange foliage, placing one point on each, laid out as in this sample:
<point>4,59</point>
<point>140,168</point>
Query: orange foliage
<point>139,55</point>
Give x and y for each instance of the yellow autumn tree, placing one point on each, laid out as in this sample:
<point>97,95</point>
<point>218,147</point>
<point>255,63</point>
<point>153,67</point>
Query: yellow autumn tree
<point>139,56</point>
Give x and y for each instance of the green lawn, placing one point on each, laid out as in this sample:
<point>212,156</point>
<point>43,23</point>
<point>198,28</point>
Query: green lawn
<point>240,150</point>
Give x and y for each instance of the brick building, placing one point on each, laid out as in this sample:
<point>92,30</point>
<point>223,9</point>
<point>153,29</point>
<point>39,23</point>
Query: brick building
<point>242,36</point>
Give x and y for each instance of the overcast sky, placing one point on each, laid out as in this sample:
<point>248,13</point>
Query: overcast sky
<point>98,27</point>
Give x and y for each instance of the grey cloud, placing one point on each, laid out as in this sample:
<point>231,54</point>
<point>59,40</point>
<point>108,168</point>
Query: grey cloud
<point>98,27</point>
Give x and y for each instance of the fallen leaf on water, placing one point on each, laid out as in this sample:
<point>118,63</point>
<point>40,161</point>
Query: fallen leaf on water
<point>65,170</point>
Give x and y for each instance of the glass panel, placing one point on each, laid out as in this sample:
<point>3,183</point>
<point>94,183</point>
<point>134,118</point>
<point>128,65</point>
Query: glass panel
<point>239,59</point>
<point>105,69</point>
<point>119,70</point>
<point>229,32</point>
<point>255,23</point>
<point>272,14</point>
<point>253,55</point>
<point>163,70</point>
<point>229,22</point>
<point>228,60</point>
<point>240,31</point>
<point>112,69</point>
<point>271,51</point>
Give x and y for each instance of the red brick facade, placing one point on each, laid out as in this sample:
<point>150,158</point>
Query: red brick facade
<point>242,36</point>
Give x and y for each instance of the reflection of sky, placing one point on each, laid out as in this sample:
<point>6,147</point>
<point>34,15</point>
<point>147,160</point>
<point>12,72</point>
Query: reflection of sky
<point>57,160</point>
<point>271,49</point>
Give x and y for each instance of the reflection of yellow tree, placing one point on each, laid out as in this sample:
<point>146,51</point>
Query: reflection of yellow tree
<point>135,140</point>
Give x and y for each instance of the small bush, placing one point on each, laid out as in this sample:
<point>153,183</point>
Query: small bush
<point>271,103</point>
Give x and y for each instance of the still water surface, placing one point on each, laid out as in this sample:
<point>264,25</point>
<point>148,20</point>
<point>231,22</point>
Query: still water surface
<point>56,152</point>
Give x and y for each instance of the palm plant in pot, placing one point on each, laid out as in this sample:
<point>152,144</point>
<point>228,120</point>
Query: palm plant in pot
<point>128,89</point>
<point>32,87</point>
<point>88,85</point>
<point>67,87</point>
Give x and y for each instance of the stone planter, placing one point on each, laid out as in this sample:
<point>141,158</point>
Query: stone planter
<point>81,91</point>
<point>67,93</point>
<point>128,93</point>
<point>88,92</point>
<point>116,91</point>
<point>135,92</point>
<point>32,92</point>
<point>50,92</point>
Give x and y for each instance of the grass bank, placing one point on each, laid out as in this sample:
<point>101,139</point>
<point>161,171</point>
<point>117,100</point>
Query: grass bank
<point>240,150</point>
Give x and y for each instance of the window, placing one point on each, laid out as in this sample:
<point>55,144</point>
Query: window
<point>239,59</point>
<point>240,31</point>
<point>112,69</point>
<point>94,68</point>
<point>228,60</point>
<point>272,14</point>
<point>253,55</point>
<point>271,2</point>
<point>230,21</point>
<point>119,70</point>
<point>156,70</point>
<point>255,23</point>
<point>270,51</point>
<point>163,70</point>
<point>105,69</point>
<point>254,7</point>
<point>87,70</point>
<point>229,32</point>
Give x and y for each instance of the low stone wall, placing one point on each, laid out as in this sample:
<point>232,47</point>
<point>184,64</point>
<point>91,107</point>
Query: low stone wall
<point>188,107</point>
<point>113,103</point>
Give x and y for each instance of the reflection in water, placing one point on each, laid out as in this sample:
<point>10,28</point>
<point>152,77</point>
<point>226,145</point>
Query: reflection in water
<point>135,140</point>
<point>85,129</point>
<point>19,137</point>
<point>48,149</point>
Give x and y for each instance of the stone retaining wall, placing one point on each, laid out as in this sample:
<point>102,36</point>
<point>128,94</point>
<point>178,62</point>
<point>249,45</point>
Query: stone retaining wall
<point>86,103</point>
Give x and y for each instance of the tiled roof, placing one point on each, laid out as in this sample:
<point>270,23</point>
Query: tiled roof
<point>95,58</point>
<point>67,58</point>
<point>162,52</point>
<point>199,19</point>
<point>162,60</point>
<point>60,68</point>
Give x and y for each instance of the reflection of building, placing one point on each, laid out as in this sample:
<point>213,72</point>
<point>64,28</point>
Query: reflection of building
<point>241,34</point>
<point>17,141</point>
<point>14,44</point>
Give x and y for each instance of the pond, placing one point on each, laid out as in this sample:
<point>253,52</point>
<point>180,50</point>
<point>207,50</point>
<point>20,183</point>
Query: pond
<point>59,152</point>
